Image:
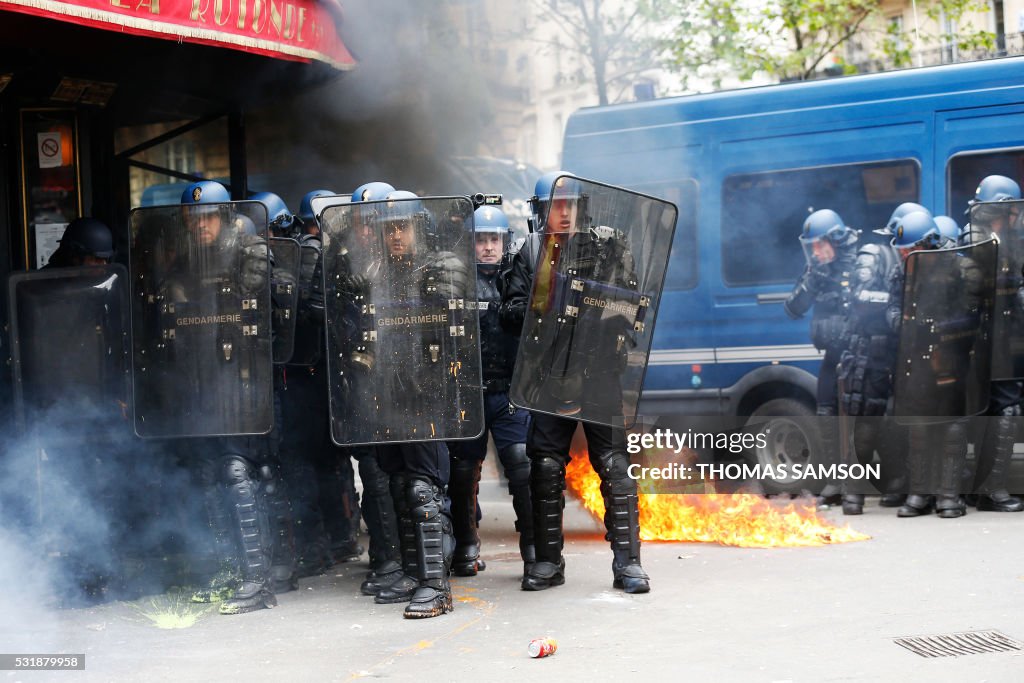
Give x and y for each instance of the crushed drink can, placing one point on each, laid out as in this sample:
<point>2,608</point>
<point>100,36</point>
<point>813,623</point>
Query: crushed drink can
<point>542,647</point>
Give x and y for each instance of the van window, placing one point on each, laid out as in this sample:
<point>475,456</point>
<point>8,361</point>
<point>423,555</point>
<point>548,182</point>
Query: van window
<point>763,213</point>
<point>683,262</point>
<point>965,171</point>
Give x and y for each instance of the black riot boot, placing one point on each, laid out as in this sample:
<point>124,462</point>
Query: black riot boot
<point>995,453</point>
<point>547,491</point>
<point>462,489</point>
<point>434,547</point>
<point>517,469</point>
<point>283,564</point>
<point>381,524</point>
<point>227,576</point>
<point>828,426</point>
<point>405,583</point>
<point>622,520</point>
<point>953,450</point>
<point>253,529</point>
<point>853,503</point>
<point>865,437</point>
<point>892,450</point>
<point>919,471</point>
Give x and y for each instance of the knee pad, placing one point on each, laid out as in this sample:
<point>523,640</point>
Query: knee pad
<point>423,498</point>
<point>615,479</point>
<point>547,475</point>
<point>235,470</point>
<point>516,464</point>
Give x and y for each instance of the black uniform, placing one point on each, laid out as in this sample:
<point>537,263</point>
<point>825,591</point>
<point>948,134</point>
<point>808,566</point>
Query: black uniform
<point>996,431</point>
<point>323,490</point>
<point>506,424</point>
<point>826,289</point>
<point>549,438</point>
<point>938,448</point>
<point>419,471</point>
<point>235,472</point>
<point>865,371</point>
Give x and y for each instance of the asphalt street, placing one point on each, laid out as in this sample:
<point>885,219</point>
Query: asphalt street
<point>715,613</point>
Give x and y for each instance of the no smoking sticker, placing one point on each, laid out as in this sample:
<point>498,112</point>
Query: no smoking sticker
<point>49,150</point>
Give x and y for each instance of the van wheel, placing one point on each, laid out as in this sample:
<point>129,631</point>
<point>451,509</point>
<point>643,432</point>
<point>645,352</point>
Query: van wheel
<point>791,436</point>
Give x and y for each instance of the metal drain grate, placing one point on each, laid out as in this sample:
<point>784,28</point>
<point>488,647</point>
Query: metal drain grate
<point>958,644</point>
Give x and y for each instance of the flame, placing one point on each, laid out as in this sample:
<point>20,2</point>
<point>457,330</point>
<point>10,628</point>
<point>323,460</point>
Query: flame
<point>172,610</point>
<point>744,520</point>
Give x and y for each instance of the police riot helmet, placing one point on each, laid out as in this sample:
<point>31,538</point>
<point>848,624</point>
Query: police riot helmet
<point>205,192</point>
<point>375,191</point>
<point>996,188</point>
<point>541,195</point>
<point>279,217</point>
<point>825,226</point>
<point>898,213</point>
<point>949,229</point>
<point>305,214</point>
<point>403,220</point>
<point>488,222</point>
<point>991,191</point>
<point>490,219</point>
<point>917,229</point>
<point>570,189</point>
<point>88,237</point>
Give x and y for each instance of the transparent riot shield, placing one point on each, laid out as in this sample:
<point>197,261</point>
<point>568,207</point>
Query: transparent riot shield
<point>1003,220</point>
<point>403,343</point>
<point>318,204</point>
<point>597,285</point>
<point>201,320</point>
<point>945,346</point>
<point>284,286</point>
<point>69,349</point>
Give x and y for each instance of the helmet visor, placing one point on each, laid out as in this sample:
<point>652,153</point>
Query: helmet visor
<point>490,245</point>
<point>818,251</point>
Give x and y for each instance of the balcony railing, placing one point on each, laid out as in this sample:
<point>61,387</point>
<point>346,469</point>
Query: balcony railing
<point>1006,45</point>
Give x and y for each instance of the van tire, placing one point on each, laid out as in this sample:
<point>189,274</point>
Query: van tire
<point>792,437</point>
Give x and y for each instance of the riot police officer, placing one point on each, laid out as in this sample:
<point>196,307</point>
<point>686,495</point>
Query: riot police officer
<point>377,505</point>
<point>410,271</point>
<point>566,230</point>
<point>950,231</point>
<point>282,221</point>
<point>998,428</point>
<point>505,423</point>
<point>217,257</point>
<point>829,247</point>
<point>85,242</point>
<point>931,437</point>
<point>865,372</point>
<point>323,486</point>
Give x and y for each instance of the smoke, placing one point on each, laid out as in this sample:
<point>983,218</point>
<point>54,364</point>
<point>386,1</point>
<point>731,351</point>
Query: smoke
<point>90,513</point>
<point>416,98</point>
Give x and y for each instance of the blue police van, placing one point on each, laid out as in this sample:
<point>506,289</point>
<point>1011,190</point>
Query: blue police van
<point>745,168</point>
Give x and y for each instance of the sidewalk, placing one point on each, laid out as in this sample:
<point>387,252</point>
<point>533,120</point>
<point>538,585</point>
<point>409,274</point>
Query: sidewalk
<point>714,613</point>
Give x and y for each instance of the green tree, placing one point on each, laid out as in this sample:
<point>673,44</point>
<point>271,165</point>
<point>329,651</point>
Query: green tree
<point>791,39</point>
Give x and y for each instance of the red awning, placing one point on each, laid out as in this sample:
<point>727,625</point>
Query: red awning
<point>296,30</point>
